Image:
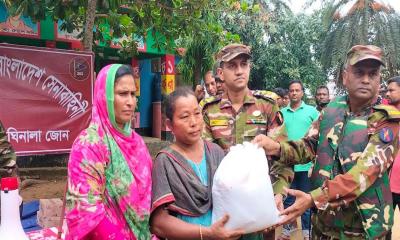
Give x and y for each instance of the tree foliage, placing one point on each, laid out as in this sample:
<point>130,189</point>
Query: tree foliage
<point>202,45</point>
<point>284,46</point>
<point>348,23</point>
<point>171,19</point>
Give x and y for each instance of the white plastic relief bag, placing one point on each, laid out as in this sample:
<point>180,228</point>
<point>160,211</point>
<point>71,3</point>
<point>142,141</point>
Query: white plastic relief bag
<point>242,189</point>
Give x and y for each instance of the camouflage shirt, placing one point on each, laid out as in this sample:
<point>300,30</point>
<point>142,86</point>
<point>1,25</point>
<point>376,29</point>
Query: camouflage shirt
<point>258,115</point>
<point>353,153</point>
<point>7,155</point>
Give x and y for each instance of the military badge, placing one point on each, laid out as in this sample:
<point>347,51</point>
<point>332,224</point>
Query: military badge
<point>256,121</point>
<point>256,113</point>
<point>386,135</point>
<point>219,122</point>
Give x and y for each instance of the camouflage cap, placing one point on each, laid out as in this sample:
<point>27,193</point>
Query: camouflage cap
<point>360,53</point>
<point>231,51</point>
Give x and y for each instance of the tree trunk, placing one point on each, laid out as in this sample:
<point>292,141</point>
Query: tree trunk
<point>88,35</point>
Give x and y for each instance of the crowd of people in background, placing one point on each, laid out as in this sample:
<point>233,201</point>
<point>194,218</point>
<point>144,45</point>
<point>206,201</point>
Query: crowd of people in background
<point>334,164</point>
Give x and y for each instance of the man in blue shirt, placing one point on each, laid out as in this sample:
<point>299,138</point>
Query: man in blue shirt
<point>298,118</point>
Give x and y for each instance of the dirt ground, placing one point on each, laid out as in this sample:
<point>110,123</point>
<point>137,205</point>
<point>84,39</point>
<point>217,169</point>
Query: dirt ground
<point>55,189</point>
<point>42,189</point>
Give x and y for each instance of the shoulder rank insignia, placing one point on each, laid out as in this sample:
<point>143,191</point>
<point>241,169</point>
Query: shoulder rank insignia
<point>267,95</point>
<point>208,100</point>
<point>391,111</point>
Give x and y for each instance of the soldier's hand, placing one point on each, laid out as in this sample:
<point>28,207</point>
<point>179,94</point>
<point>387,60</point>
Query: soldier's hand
<point>303,202</point>
<point>271,147</point>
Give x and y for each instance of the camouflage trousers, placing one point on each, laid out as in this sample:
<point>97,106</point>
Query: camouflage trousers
<point>316,235</point>
<point>8,172</point>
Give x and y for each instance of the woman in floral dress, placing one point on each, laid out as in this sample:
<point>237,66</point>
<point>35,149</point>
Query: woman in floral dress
<point>109,170</point>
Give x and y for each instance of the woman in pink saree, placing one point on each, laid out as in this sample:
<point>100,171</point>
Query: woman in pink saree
<point>109,170</point>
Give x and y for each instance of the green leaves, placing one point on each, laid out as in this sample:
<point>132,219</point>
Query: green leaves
<point>177,3</point>
<point>125,20</point>
<point>244,6</point>
<point>284,46</point>
<point>256,8</point>
<point>172,19</point>
<point>366,22</point>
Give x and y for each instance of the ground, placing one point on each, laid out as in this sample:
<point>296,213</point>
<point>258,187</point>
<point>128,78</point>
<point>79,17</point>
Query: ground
<point>44,189</point>
<point>55,189</point>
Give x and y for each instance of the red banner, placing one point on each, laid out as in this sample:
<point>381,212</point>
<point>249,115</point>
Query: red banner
<point>168,65</point>
<point>45,98</point>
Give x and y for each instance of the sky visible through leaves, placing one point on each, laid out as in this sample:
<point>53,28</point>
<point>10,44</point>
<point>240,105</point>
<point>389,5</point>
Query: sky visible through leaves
<point>297,6</point>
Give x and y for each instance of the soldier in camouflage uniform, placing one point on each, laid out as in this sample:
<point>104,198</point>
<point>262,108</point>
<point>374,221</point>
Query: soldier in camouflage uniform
<point>240,114</point>
<point>354,142</point>
<point>8,164</point>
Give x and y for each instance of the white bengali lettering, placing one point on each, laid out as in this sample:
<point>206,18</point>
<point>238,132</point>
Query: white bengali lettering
<point>12,133</point>
<point>65,97</point>
<point>22,70</point>
<point>24,135</point>
<point>36,135</point>
<point>57,135</point>
<point>71,101</point>
<point>5,64</point>
<point>76,105</point>
<point>17,67</point>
